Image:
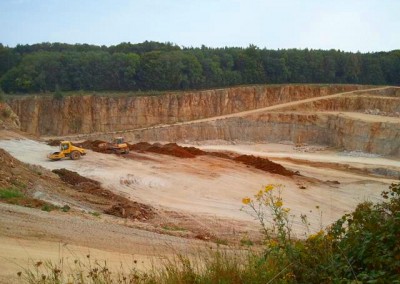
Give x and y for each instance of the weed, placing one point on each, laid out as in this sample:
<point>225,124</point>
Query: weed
<point>221,242</point>
<point>96,214</point>
<point>246,242</point>
<point>65,208</point>
<point>49,207</point>
<point>173,228</point>
<point>17,183</point>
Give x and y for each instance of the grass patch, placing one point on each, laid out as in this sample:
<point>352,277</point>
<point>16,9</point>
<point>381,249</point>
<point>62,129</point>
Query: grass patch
<point>10,193</point>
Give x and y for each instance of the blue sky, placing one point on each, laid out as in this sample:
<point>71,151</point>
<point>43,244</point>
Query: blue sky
<point>369,25</point>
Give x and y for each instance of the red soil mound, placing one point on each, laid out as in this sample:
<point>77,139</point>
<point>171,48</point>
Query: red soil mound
<point>264,164</point>
<point>141,146</point>
<point>171,149</point>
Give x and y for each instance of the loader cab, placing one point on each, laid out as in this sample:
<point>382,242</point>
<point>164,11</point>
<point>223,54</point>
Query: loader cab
<point>64,146</point>
<point>119,140</point>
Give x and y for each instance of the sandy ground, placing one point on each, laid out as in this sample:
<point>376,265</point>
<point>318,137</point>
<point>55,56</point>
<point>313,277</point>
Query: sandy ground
<point>209,186</point>
<point>274,150</point>
<point>29,235</point>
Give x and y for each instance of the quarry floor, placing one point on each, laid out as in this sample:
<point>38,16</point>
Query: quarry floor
<point>201,195</point>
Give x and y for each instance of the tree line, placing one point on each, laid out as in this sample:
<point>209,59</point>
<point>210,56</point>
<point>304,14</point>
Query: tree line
<point>46,67</point>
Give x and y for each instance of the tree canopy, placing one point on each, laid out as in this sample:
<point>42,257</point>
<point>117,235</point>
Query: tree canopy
<point>40,68</point>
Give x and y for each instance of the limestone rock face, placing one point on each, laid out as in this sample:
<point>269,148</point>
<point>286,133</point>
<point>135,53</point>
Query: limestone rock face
<point>344,132</point>
<point>88,114</point>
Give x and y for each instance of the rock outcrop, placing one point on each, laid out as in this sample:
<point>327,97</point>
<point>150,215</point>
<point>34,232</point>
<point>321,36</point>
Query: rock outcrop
<point>8,119</point>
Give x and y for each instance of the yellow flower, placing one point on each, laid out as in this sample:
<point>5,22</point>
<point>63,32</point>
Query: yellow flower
<point>278,203</point>
<point>246,200</point>
<point>259,195</point>
<point>269,188</point>
<point>287,210</point>
<point>273,243</point>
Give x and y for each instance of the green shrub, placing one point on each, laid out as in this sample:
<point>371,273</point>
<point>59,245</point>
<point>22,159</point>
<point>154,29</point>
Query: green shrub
<point>362,246</point>
<point>49,207</point>
<point>368,240</point>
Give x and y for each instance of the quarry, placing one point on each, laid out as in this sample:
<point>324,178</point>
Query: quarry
<point>193,157</point>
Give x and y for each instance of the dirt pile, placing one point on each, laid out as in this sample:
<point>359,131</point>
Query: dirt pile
<point>264,164</point>
<point>140,147</point>
<point>171,149</point>
<point>115,204</point>
<point>76,179</point>
<point>55,142</point>
<point>131,210</point>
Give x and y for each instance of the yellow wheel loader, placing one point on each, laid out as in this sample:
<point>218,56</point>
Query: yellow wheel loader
<point>118,146</point>
<point>67,150</point>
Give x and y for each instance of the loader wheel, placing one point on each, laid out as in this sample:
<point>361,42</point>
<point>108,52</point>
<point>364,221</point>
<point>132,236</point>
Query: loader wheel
<point>126,151</point>
<point>75,155</point>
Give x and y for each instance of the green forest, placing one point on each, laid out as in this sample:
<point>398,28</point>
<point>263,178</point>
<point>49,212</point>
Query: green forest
<point>46,67</point>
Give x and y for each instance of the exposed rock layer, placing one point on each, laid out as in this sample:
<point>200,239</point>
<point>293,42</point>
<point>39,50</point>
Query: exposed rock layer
<point>87,114</point>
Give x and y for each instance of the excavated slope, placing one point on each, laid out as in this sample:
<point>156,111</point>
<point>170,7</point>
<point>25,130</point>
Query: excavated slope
<point>343,121</point>
<point>88,114</point>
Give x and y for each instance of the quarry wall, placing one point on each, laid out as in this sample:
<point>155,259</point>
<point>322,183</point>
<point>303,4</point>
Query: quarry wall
<point>86,114</point>
<point>349,134</point>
